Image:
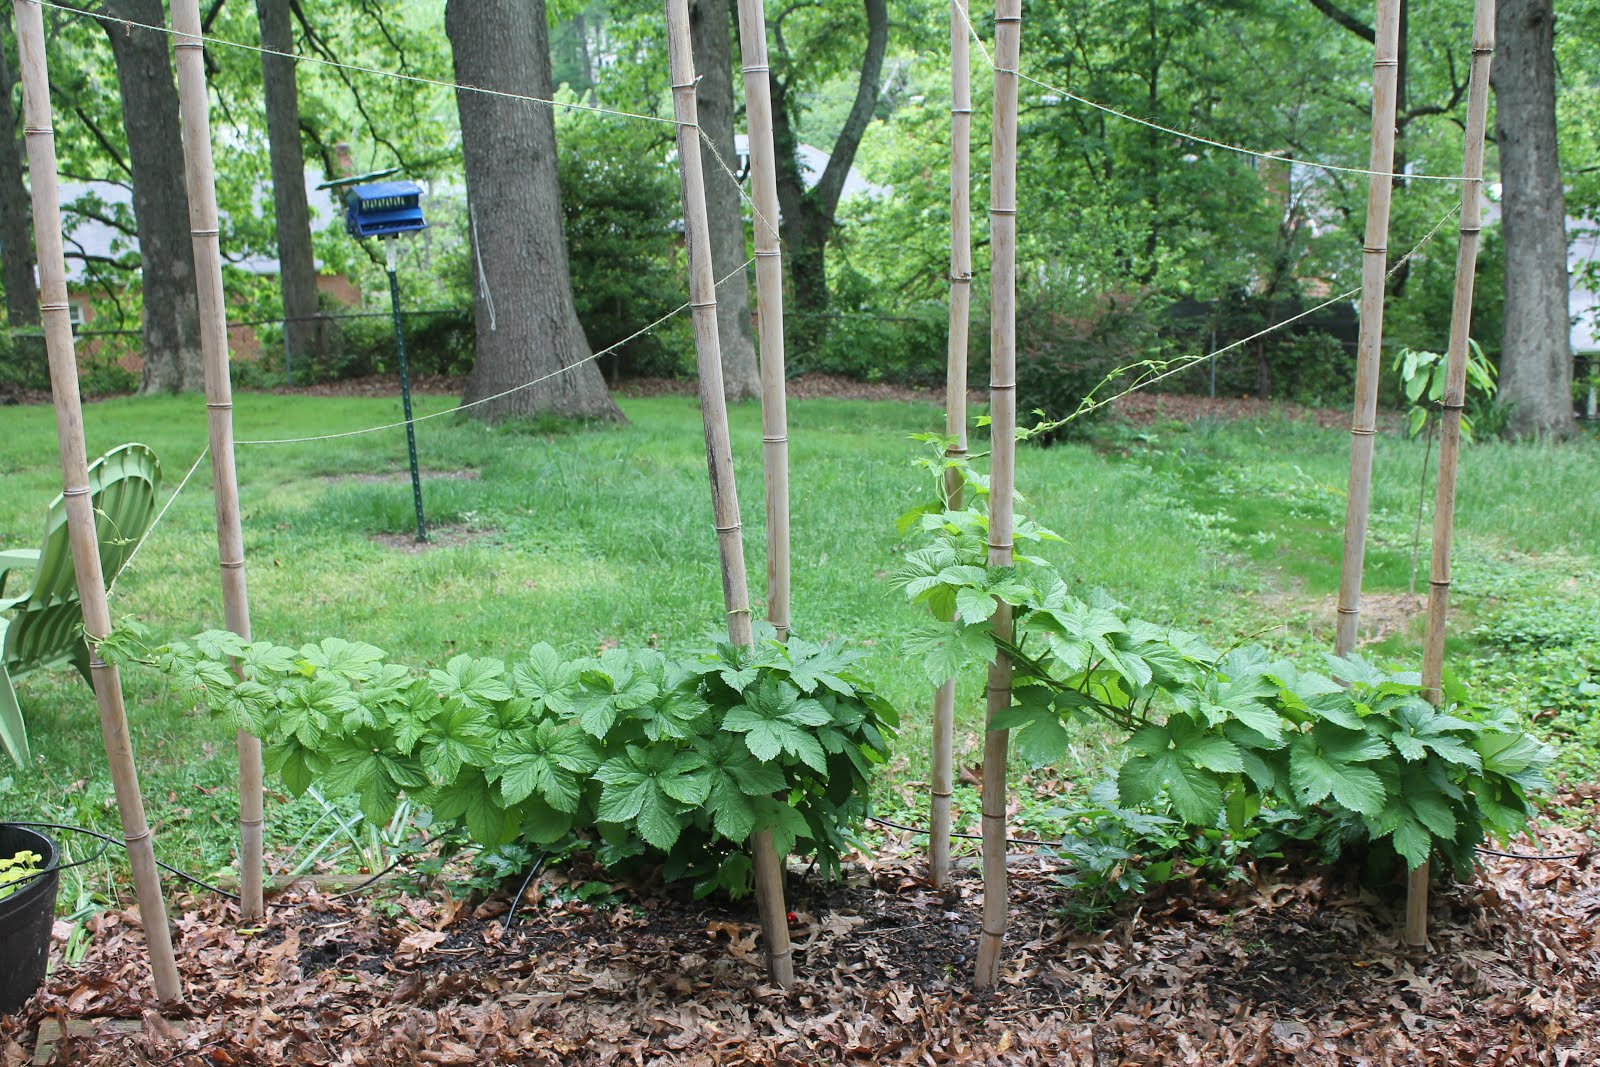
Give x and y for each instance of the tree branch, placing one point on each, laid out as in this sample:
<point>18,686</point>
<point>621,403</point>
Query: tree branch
<point>1345,19</point>
<point>831,185</point>
<point>104,141</point>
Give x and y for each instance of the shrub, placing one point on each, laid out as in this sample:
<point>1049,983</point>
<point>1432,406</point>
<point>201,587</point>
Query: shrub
<point>648,759</point>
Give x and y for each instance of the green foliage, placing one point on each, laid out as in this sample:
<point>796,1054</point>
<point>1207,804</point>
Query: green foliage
<point>1072,349</point>
<point>1215,736</point>
<point>15,868</point>
<point>1423,378</point>
<point>671,761</point>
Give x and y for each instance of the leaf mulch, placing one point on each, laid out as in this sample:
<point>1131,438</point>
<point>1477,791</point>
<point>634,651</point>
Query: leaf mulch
<point>1295,965</point>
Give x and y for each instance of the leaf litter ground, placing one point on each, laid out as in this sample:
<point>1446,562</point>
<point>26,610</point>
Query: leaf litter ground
<point>1292,964</point>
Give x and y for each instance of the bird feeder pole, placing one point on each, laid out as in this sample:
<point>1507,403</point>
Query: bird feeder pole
<point>56,315</point>
<point>405,386</point>
<point>200,179</point>
<point>385,210</point>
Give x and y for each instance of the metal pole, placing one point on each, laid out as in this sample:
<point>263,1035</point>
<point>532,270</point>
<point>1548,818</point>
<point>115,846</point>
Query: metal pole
<point>405,389</point>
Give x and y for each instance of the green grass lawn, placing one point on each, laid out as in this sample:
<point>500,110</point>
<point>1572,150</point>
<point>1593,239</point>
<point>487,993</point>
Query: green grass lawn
<point>600,536</point>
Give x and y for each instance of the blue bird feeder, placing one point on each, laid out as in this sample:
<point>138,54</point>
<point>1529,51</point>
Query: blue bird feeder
<point>383,209</point>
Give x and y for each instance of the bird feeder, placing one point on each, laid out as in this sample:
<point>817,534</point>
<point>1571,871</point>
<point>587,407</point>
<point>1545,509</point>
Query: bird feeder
<point>383,209</point>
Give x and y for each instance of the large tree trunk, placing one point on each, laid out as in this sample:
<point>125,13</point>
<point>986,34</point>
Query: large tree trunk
<point>713,62</point>
<point>160,204</point>
<point>526,322</point>
<point>1536,360</point>
<point>16,220</point>
<point>297,269</point>
<point>808,214</point>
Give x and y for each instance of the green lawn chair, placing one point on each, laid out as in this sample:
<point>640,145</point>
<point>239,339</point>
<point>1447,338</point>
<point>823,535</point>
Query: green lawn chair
<point>41,622</point>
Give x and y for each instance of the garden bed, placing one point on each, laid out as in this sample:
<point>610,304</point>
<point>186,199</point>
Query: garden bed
<point>1292,965</point>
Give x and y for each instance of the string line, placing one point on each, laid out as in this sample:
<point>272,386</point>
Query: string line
<point>1179,364</point>
<point>503,393</point>
<point>128,563</point>
<point>417,79</point>
<point>1277,157</point>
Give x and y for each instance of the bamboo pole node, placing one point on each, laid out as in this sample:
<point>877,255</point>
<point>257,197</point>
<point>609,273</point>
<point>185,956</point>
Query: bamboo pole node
<point>769,252</point>
<point>996,386</point>
<point>739,611</point>
<point>678,87</point>
<point>77,490</point>
<point>1008,18</point>
<point>1342,610</point>
<point>1485,51</point>
<point>1007,545</point>
<point>941,793</point>
<point>702,304</point>
<point>994,933</point>
<point>55,307</point>
<point>253,822</point>
<point>187,44</point>
<point>774,439</point>
<point>204,233</point>
<point>219,405</point>
<point>97,664</point>
<point>728,529</point>
<point>142,835</point>
<point>961,111</point>
<point>1385,62</point>
<point>44,131</point>
<point>1363,431</point>
<point>1375,250</point>
<point>961,279</point>
<point>1452,407</point>
<point>1009,211</point>
<point>1439,583</point>
<point>755,69</point>
<point>231,564</point>
<point>1471,231</point>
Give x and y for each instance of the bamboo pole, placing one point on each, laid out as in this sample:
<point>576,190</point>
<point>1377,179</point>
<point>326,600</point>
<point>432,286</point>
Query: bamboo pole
<point>56,317</point>
<point>955,407</point>
<point>769,306</point>
<point>200,181</point>
<point>1374,267</point>
<point>1002,467</point>
<point>1455,388</point>
<point>719,452</point>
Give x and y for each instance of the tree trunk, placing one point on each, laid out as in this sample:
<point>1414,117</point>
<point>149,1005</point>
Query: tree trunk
<point>16,225</point>
<point>171,332</point>
<point>713,62</point>
<point>808,214</point>
<point>297,269</point>
<point>1536,360</point>
<point>526,322</point>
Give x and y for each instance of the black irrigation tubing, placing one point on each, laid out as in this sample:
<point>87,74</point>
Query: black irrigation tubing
<point>965,837</point>
<point>1485,850</point>
<point>516,902</point>
<point>191,879</point>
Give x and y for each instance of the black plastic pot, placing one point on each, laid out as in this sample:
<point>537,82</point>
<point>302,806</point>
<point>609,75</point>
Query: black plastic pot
<point>26,917</point>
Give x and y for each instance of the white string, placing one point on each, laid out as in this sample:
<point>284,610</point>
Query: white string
<point>296,57</point>
<point>497,396</point>
<point>1277,157</point>
<point>128,563</point>
<point>1183,363</point>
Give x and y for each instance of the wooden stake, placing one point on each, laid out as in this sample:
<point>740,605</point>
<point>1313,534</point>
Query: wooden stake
<point>1374,268</point>
<point>719,453</point>
<point>769,307</point>
<point>955,406</point>
<point>1455,389</point>
<point>200,179</point>
<point>1002,467</point>
<point>56,319</point>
